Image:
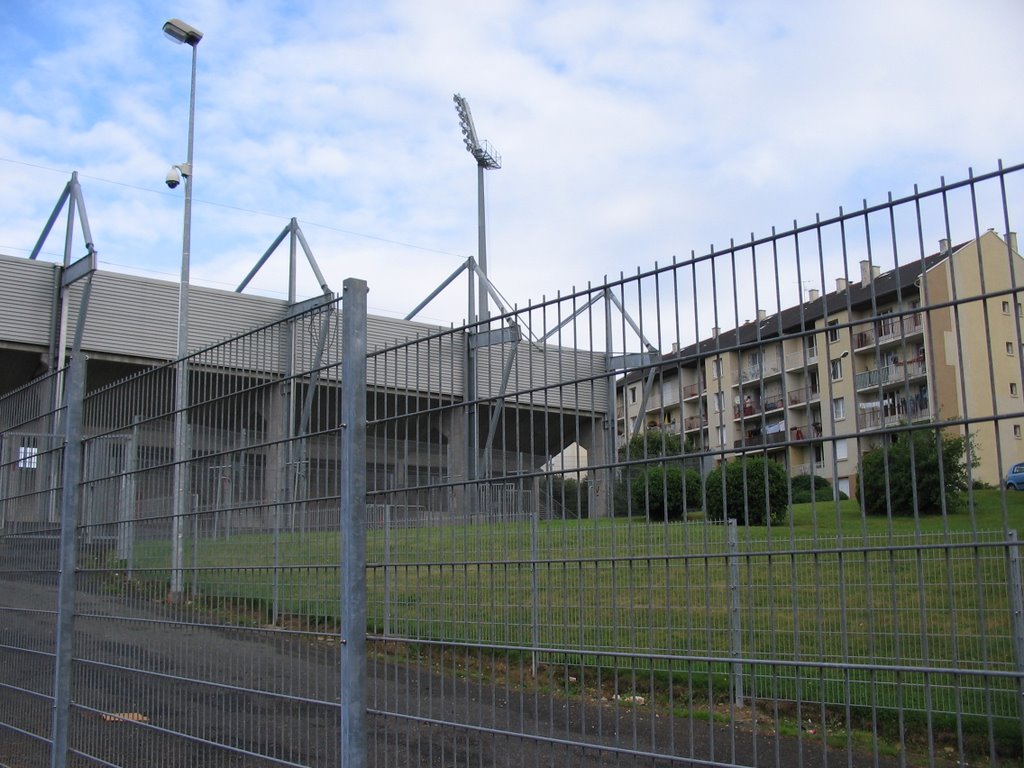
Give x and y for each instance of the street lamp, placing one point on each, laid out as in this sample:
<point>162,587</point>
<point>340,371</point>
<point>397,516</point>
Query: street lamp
<point>180,32</point>
<point>487,158</point>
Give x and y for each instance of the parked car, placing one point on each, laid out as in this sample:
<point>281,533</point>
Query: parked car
<point>1015,478</point>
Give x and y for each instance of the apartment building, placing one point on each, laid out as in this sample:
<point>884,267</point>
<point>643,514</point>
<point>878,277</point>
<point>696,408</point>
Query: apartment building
<point>818,384</point>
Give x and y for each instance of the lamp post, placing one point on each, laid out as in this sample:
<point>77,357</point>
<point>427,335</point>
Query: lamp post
<point>180,32</point>
<point>487,158</point>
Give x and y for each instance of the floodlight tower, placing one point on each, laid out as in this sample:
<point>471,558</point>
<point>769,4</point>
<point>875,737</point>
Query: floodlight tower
<point>487,159</point>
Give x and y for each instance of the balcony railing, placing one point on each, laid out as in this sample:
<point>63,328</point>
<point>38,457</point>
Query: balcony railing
<point>810,468</point>
<point>805,431</point>
<point>691,423</point>
<point>754,441</point>
<point>890,414</point>
<point>897,373</point>
<point>691,391</point>
<point>803,395</point>
<point>762,370</point>
<point>755,406</point>
<point>885,331</point>
<point>795,360</point>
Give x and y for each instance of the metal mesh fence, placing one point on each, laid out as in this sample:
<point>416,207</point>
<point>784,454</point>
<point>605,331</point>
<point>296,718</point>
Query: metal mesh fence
<point>753,507</point>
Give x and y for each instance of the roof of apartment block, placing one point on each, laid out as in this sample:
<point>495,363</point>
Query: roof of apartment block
<point>881,289</point>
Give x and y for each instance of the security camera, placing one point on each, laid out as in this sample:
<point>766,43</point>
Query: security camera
<point>173,177</point>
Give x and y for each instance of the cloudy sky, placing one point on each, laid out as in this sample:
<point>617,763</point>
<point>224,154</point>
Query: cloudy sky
<point>630,132</point>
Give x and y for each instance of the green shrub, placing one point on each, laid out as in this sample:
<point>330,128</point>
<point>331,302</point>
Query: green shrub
<point>807,488</point>
<point>745,497</point>
<point>640,485</point>
<point>892,474</point>
<point>665,492</point>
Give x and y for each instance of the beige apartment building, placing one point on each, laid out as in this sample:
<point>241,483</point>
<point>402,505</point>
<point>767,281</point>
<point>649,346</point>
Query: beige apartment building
<point>818,384</point>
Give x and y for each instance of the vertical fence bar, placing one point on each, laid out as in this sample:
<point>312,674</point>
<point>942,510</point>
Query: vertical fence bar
<point>534,606</point>
<point>353,525</point>
<point>735,631</point>
<point>1016,587</point>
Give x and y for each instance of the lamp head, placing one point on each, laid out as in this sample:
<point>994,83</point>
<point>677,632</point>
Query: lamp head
<point>180,32</point>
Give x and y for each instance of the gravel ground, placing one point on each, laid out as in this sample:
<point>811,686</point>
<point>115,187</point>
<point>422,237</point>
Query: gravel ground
<point>210,682</point>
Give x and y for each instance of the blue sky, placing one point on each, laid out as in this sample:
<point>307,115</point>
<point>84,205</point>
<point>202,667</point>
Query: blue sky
<point>629,132</point>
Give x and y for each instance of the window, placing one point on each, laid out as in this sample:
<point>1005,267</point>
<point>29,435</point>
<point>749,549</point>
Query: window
<point>1009,348</point>
<point>841,450</point>
<point>719,401</point>
<point>716,368</point>
<point>839,409</point>
<point>721,435</point>
<point>1013,389</point>
<point>1016,431</point>
<point>1006,307</point>
<point>833,331</point>
<point>28,457</point>
<point>836,368</point>
<point>632,394</point>
<point>812,348</point>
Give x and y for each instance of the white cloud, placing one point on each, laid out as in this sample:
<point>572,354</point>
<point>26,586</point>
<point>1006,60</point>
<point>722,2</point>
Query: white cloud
<point>629,134</point>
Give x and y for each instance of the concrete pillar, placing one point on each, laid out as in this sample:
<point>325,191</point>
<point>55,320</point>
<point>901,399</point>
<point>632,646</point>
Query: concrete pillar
<point>595,439</point>
<point>453,428</point>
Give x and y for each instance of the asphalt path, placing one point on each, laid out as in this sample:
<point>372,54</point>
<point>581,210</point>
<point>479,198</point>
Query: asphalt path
<point>145,673</point>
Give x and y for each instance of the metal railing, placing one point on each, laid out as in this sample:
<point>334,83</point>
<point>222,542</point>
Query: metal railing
<point>893,374</point>
<point>887,330</point>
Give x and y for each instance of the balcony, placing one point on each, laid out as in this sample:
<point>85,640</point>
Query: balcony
<point>805,431</point>
<point>752,406</point>
<point>795,360</point>
<point>691,423</point>
<point>759,440</point>
<point>809,468</point>
<point>891,375</point>
<point>882,332</point>
<point>691,391</point>
<point>803,396</point>
<point>893,413</point>
<point>757,371</point>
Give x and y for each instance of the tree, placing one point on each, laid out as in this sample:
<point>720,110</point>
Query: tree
<point>746,498</point>
<point>666,491</point>
<point>924,462</point>
<point>658,480</point>
<point>652,442</point>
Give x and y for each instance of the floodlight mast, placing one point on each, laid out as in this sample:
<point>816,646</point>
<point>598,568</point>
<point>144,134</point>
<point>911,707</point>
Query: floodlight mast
<point>488,159</point>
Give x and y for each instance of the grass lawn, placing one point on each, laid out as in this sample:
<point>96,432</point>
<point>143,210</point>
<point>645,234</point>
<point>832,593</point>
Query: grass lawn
<point>828,607</point>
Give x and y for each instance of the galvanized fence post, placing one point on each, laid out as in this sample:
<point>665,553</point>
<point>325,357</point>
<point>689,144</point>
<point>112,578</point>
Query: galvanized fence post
<point>126,512</point>
<point>1016,587</point>
<point>71,493</point>
<point>353,525</point>
<point>735,632</point>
